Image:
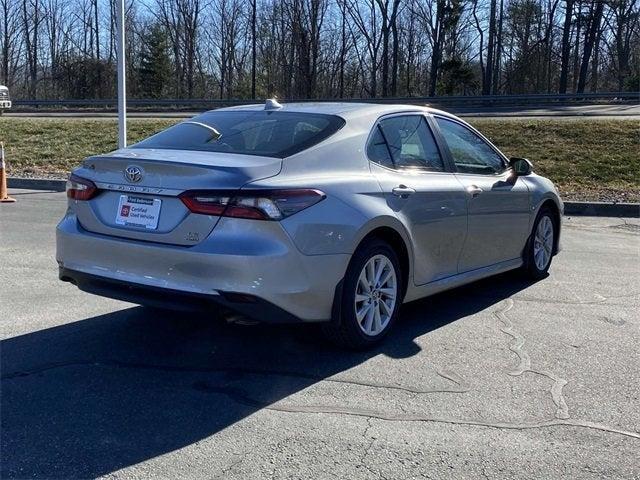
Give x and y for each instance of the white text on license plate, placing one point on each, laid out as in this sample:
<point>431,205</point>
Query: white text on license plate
<point>138,211</point>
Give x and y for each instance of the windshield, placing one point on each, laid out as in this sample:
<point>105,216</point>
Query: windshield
<point>249,132</point>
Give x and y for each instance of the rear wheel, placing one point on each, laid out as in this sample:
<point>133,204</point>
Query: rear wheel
<point>371,297</point>
<point>539,252</point>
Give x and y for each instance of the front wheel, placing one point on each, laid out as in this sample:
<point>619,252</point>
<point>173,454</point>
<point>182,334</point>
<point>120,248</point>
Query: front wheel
<point>371,298</point>
<point>539,251</point>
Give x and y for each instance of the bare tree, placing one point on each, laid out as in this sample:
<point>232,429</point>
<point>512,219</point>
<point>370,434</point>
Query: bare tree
<point>323,48</point>
<point>595,17</point>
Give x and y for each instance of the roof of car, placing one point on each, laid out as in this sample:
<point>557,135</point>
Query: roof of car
<point>343,109</point>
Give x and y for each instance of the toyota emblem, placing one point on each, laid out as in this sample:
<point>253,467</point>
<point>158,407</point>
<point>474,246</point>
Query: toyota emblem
<point>133,174</point>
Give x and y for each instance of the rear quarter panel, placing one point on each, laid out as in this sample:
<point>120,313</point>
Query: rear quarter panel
<point>355,203</point>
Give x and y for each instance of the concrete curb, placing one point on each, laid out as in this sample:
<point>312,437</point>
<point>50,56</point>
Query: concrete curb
<point>602,209</point>
<point>36,183</point>
<point>589,209</point>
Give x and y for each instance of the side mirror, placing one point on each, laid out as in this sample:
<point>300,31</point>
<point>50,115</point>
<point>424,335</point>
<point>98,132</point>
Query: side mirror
<point>521,166</point>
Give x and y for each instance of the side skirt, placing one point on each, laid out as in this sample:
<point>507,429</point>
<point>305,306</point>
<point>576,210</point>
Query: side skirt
<point>415,292</point>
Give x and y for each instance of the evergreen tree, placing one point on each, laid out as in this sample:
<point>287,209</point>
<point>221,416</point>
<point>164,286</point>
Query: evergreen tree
<point>155,69</point>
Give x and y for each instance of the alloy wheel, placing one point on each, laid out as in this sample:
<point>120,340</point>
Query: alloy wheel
<point>376,294</point>
<point>543,243</point>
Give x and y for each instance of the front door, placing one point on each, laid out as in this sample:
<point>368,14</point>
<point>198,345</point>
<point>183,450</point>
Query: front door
<point>420,187</point>
<point>499,205</point>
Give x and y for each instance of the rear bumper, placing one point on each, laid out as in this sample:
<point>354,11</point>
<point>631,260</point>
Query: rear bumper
<point>256,259</point>
<point>175,299</point>
<point>5,104</point>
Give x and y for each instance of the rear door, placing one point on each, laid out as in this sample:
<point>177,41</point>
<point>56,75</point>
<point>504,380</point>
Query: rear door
<point>499,206</point>
<point>422,190</point>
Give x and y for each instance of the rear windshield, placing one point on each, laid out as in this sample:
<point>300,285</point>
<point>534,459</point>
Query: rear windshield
<point>270,134</point>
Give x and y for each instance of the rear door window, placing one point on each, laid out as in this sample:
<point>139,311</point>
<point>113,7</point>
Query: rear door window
<point>405,142</point>
<point>249,132</point>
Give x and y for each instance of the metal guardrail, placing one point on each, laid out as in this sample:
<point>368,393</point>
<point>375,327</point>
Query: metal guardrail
<point>476,100</point>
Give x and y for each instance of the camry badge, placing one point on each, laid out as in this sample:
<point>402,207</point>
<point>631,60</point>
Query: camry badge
<point>133,174</point>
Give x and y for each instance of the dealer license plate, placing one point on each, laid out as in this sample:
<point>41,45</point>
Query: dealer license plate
<point>138,212</point>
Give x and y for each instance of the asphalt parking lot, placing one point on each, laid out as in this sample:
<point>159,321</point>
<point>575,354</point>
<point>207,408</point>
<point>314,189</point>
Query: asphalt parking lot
<point>502,378</point>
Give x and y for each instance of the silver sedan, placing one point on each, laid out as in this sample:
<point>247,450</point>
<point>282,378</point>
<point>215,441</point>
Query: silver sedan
<point>315,212</point>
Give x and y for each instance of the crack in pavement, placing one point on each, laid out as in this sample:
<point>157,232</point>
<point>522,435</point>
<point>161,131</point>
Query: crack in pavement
<point>561,419</point>
<point>602,299</point>
<point>361,460</point>
<point>241,398</point>
<point>226,469</point>
<point>562,410</point>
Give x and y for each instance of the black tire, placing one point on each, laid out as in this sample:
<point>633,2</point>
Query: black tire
<point>530,269</point>
<point>345,331</point>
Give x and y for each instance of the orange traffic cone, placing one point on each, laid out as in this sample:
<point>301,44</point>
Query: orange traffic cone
<point>4,196</point>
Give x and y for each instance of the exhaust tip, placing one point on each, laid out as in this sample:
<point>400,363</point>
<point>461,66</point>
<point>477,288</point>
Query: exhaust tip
<point>237,319</point>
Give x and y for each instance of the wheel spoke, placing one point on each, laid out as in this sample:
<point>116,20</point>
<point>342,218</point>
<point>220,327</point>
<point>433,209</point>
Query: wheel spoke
<point>370,272</point>
<point>362,312</point>
<point>361,298</point>
<point>390,293</point>
<point>368,320</point>
<point>386,277</point>
<point>377,324</point>
<point>379,271</point>
<point>364,284</point>
<point>385,307</point>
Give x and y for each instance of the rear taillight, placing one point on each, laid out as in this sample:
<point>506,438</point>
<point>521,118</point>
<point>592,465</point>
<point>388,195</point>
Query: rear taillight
<point>253,204</point>
<point>80,188</point>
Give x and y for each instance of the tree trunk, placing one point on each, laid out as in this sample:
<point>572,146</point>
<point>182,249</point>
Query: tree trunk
<point>566,47</point>
<point>590,37</point>
<point>253,48</point>
<point>576,50</point>
<point>343,46</point>
<point>488,74</point>
<point>5,42</point>
<point>596,60</point>
<point>498,60</point>
<point>385,56</point>
<point>394,59</point>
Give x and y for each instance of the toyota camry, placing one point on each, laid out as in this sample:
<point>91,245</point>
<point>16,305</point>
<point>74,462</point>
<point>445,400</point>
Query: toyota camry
<point>335,213</point>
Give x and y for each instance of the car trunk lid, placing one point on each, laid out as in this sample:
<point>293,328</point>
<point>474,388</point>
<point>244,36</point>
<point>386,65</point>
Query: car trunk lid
<point>139,188</point>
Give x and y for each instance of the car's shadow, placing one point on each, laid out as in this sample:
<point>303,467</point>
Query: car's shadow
<point>88,398</point>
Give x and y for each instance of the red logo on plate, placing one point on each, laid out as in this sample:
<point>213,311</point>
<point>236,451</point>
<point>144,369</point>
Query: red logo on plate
<point>124,211</point>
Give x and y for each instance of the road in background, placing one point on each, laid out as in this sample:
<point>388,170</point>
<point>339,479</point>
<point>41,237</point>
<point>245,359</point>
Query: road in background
<point>500,379</point>
<point>574,111</point>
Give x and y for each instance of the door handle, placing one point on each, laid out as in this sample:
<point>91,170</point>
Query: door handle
<point>474,190</point>
<point>403,191</point>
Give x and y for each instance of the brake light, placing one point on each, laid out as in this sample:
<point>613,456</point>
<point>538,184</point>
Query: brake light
<point>252,204</point>
<point>79,188</point>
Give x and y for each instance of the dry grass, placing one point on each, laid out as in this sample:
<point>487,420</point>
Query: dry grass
<point>52,146</point>
<point>587,159</point>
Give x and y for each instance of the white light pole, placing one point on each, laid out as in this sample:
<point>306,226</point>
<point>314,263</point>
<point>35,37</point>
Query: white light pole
<point>122,89</point>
